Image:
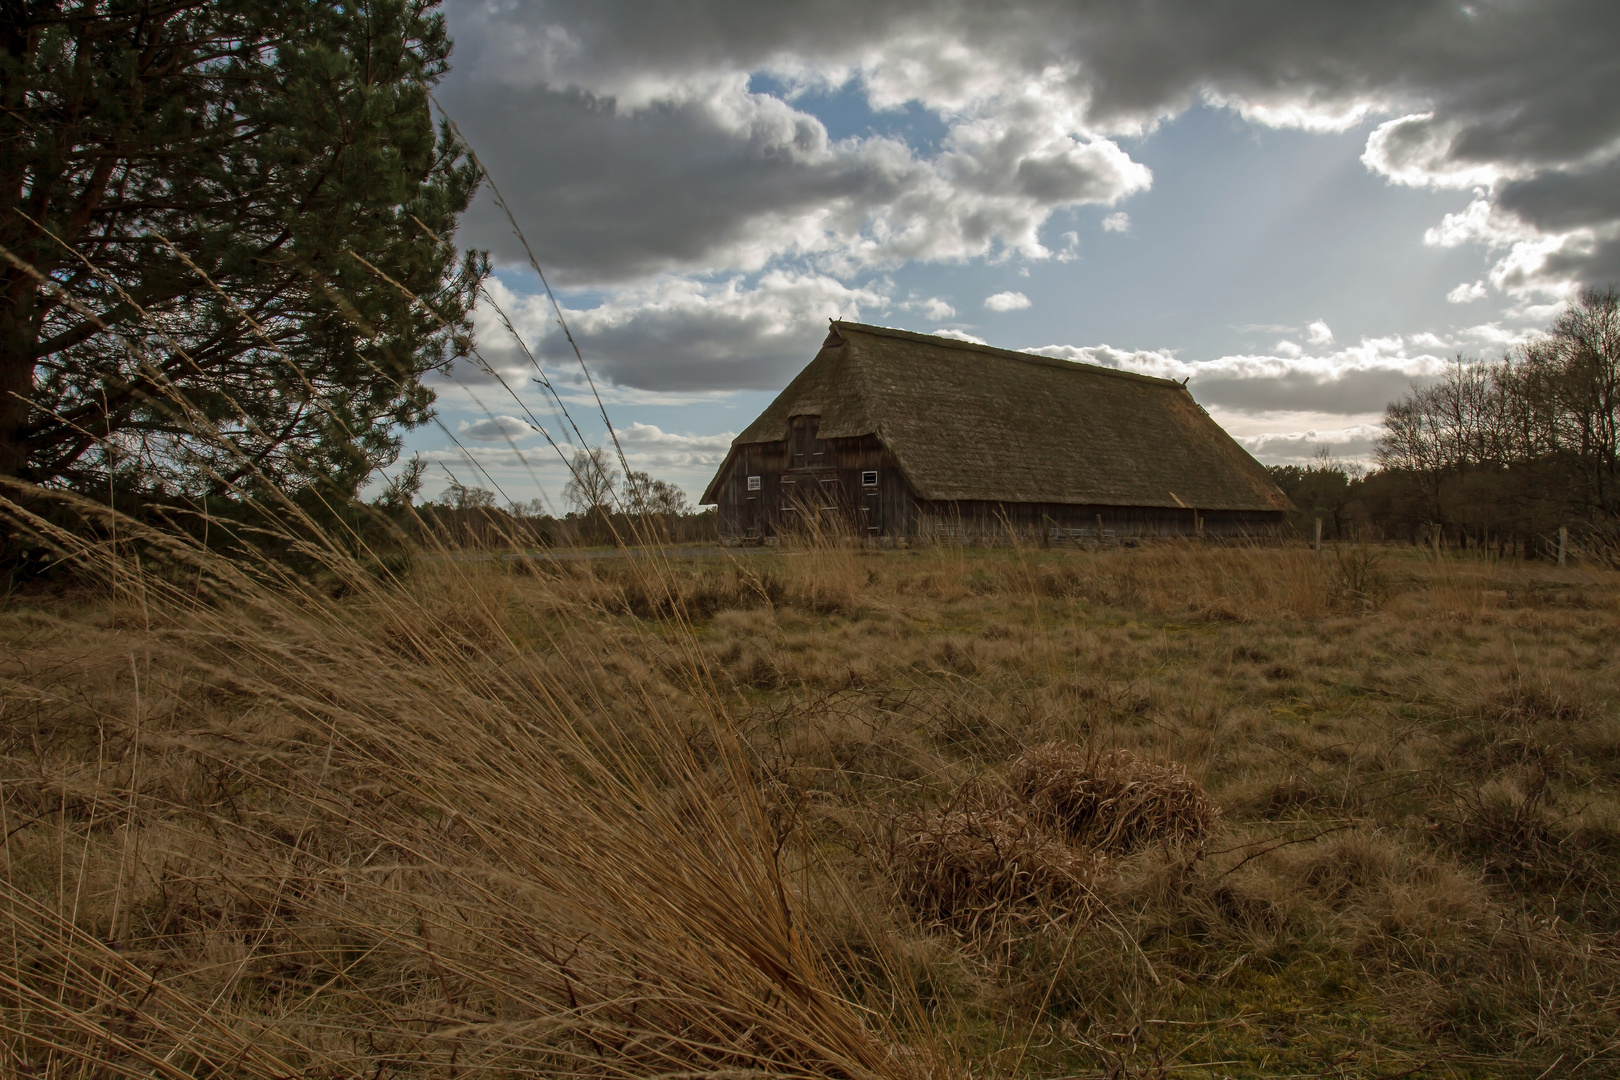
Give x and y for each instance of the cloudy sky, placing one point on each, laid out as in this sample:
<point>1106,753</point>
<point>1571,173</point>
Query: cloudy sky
<point>1302,208</point>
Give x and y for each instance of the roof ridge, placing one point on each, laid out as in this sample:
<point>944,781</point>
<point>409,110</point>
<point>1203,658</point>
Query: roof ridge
<point>1008,354</point>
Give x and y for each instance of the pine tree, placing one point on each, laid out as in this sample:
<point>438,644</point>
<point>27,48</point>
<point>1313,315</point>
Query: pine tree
<point>265,144</point>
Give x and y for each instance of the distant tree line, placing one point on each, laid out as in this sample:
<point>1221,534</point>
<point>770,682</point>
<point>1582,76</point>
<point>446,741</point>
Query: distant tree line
<point>603,507</point>
<point>1495,454</point>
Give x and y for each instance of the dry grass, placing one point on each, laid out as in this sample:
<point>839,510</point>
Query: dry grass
<point>764,812</point>
<point>977,870</point>
<point>1112,800</point>
<point>279,836</point>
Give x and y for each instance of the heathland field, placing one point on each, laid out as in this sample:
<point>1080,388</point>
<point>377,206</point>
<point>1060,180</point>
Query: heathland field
<point>1166,810</point>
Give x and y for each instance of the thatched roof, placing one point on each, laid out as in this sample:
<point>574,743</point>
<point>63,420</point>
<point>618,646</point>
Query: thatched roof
<point>971,422</point>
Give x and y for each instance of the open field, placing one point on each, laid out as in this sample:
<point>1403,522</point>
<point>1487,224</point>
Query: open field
<point>1170,810</point>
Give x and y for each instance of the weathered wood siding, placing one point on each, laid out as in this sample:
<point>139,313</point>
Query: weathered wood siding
<point>812,484</point>
<point>1058,524</point>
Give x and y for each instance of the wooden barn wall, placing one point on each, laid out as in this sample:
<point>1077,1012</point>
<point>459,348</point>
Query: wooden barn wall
<point>813,484</point>
<point>1067,523</point>
<point>810,484</point>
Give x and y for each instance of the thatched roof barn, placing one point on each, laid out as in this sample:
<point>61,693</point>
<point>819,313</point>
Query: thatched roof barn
<point>905,435</point>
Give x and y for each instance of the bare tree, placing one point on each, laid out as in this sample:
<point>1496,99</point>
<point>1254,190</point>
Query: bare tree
<point>462,497</point>
<point>668,499</point>
<point>594,481</point>
<point>1525,444</point>
<point>1586,338</point>
<point>651,496</point>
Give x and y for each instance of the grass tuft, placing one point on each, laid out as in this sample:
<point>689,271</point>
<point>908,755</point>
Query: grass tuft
<point>1112,801</point>
<point>980,871</point>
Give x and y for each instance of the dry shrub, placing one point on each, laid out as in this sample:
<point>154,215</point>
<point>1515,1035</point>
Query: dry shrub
<point>1515,829</point>
<point>982,869</point>
<point>1290,797</point>
<point>1359,580</point>
<point>824,578</point>
<point>1335,869</point>
<point>1169,897</point>
<point>1115,801</point>
<point>451,607</point>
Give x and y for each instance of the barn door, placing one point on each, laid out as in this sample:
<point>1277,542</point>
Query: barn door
<point>805,441</point>
<point>833,505</point>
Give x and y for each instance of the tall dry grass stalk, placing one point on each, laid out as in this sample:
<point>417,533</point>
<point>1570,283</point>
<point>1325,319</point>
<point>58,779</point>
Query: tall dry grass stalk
<point>258,832</point>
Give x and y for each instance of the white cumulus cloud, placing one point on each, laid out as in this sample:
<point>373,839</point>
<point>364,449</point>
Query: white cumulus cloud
<point>1118,221</point>
<point>1352,443</point>
<point>648,447</point>
<point>1467,292</point>
<point>494,429</point>
<point>1419,150</point>
<point>683,165</point>
<point>1007,301</point>
<point>1352,380</point>
<point>933,307</point>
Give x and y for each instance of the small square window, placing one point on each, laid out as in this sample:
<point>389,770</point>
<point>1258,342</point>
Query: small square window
<point>753,483</point>
<point>869,478</point>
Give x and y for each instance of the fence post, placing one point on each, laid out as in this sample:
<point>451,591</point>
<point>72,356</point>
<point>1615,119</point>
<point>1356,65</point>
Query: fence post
<point>1319,536</point>
<point>1563,542</point>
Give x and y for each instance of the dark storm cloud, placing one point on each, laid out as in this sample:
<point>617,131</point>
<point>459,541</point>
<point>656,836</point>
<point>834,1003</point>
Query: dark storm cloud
<point>1567,199</point>
<point>624,135</point>
<point>1526,81</point>
<point>688,338</point>
<point>611,194</point>
<point>688,355</point>
<point>1597,263</point>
